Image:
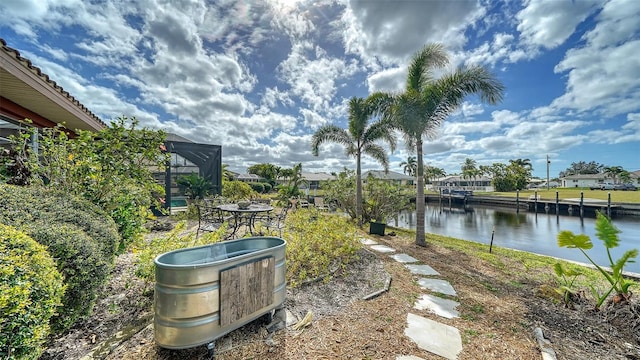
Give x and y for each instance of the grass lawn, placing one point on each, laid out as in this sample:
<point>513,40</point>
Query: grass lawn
<point>568,193</point>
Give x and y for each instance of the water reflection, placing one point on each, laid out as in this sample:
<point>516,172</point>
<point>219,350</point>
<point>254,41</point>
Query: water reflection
<point>534,232</point>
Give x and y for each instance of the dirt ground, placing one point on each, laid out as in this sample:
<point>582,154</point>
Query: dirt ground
<point>500,307</point>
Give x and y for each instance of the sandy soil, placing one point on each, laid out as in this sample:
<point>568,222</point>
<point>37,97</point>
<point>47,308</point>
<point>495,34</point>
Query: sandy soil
<point>500,307</point>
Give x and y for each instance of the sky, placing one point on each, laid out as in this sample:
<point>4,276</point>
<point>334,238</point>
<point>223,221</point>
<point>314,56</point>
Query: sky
<point>260,77</point>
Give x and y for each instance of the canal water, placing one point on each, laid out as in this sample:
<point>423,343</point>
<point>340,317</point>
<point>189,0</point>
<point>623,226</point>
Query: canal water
<point>527,231</point>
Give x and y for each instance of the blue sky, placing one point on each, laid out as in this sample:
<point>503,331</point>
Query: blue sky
<point>260,77</point>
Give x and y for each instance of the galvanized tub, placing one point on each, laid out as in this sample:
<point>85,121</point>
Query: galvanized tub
<point>204,292</point>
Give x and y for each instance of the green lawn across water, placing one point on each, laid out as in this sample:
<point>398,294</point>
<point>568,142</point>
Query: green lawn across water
<point>573,193</point>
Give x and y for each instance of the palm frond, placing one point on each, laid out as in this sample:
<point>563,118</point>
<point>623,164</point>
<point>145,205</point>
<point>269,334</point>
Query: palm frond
<point>378,153</point>
<point>431,56</point>
<point>330,133</point>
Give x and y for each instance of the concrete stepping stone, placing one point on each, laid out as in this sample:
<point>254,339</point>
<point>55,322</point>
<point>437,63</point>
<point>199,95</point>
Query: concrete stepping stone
<point>408,357</point>
<point>404,258</point>
<point>422,269</point>
<point>437,285</point>
<point>439,306</point>
<point>383,249</point>
<point>365,241</point>
<point>434,337</point>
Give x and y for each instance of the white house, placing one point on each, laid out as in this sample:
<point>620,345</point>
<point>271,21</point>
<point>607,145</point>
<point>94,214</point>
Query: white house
<point>589,180</point>
<point>456,182</point>
<point>398,178</point>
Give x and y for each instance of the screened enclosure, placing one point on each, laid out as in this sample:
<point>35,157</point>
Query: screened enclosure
<point>187,158</point>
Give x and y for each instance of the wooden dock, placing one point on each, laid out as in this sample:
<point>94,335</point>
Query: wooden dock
<point>577,206</point>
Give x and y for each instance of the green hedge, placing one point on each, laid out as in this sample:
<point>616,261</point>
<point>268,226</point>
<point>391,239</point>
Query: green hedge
<point>79,259</point>
<point>30,292</point>
<point>257,187</point>
<point>80,236</point>
<point>21,206</point>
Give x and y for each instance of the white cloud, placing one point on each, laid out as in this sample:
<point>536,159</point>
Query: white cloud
<point>391,32</point>
<point>388,80</point>
<point>548,24</point>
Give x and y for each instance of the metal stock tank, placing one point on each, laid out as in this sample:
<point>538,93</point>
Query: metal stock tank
<point>205,292</point>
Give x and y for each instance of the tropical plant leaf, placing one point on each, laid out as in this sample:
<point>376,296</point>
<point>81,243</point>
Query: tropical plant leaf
<point>570,240</point>
<point>627,257</point>
<point>606,231</point>
<point>557,267</point>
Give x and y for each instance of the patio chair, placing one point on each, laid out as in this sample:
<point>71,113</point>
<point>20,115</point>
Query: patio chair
<point>276,221</point>
<point>210,219</point>
<point>303,203</point>
<point>318,202</point>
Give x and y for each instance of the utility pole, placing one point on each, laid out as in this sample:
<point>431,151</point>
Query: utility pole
<point>548,162</point>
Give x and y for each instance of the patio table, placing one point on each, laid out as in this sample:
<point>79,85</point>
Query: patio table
<point>246,216</point>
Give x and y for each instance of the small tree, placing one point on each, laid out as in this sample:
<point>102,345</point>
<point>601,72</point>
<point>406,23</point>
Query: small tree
<point>383,200</point>
<point>195,186</point>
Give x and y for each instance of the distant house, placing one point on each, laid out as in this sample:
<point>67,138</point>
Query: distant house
<point>311,180</point>
<point>456,182</point>
<point>582,180</point>
<point>397,178</point>
<point>589,180</point>
<point>314,179</point>
<point>248,178</point>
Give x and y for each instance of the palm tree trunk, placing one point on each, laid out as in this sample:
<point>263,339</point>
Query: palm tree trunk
<point>420,236</point>
<point>358,191</point>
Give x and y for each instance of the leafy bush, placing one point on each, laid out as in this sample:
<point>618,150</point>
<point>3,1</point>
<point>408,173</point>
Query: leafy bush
<point>267,187</point>
<point>381,199</point>
<point>608,233</point>
<point>317,244</point>
<point>30,292</point>
<point>343,191</point>
<point>21,206</point>
<point>80,236</point>
<point>112,168</point>
<point>84,267</point>
<point>237,190</point>
<point>194,186</point>
<point>176,239</point>
<point>257,187</point>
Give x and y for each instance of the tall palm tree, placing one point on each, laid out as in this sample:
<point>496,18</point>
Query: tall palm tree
<point>469,169</point>
<point>410,166</point>
<point>359,139</point>
<point>613,172</point>
<point>525,163</point>
<point>426,102</point>
<point>432,172</point>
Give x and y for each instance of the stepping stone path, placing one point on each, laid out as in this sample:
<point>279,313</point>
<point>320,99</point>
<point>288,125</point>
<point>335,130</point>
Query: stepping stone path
<point>432,336</point>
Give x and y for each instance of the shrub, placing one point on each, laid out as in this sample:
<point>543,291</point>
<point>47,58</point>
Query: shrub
<point>101,167</point>
<point>80,236</point>
<point>267,187</point>
<point>30,292</point>
<point>257,187</point>
<point>21,206</point>
<point>237,190</point>
<point>79,259</point>
<point>317,244</point>
<point>176,239</point>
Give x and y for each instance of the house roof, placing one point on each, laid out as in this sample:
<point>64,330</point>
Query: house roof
<point>26,85</point>
<point>391,175</point>
<point>460,178</point>
<point>247,177</point>
<point>584,177</point>
<point>317,176</point>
